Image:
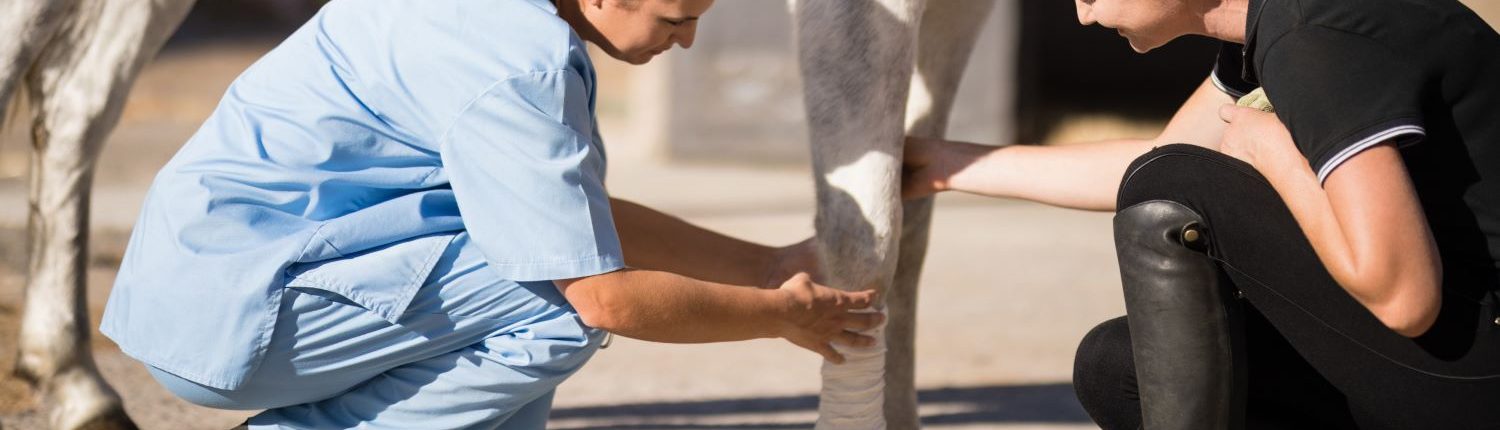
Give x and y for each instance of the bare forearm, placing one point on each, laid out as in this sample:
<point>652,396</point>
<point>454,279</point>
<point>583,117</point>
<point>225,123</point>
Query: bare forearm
<point>657,241</point>
<point>1080,176</point>
<point>664,307</point>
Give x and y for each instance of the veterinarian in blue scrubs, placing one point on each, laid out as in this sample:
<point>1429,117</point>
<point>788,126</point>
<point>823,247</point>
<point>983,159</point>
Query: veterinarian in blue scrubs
<point>397,219</point>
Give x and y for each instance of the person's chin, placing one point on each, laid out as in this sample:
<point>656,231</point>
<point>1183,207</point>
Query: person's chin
<point>1140,45</point>
<point>634,59</point>
<point>646,57</point>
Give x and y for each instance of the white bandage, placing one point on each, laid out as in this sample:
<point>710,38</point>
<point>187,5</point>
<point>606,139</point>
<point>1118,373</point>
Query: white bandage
<point>853,394</point>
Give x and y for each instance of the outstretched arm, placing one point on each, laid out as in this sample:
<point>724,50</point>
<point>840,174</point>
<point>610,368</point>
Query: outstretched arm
<point>665,307</point>
<point>658,241</point>
<point>1081,176</point>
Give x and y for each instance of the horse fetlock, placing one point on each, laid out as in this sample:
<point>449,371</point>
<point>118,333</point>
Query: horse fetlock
<point>46,346</point>
<point>25,372</point>
<point>34,365</point>
<point>79,399</point>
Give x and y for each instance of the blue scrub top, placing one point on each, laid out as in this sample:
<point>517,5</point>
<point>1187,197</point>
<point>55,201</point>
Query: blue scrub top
<point>357,149</point>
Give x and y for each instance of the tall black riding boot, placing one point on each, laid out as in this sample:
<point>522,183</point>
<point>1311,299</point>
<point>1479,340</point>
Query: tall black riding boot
<point>1186,328</point>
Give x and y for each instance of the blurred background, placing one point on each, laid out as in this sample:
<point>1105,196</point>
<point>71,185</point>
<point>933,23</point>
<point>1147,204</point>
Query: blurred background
<point>715,135</point>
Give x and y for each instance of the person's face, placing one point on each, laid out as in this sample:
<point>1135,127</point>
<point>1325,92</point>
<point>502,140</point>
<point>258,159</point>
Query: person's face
<point>1147,24</point>
<point>634,31</point>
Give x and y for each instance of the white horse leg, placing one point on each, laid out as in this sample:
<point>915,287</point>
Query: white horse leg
<point>78,87</point>
<point>47,345</point>
<point>27,26</point>
<point>53,349</point>
<point>947,35</point>
<point>856,60</point>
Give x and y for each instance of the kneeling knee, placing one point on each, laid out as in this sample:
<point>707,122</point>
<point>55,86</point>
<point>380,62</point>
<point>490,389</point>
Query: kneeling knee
<point>1104,375</point>
<point>1103,354</point>
<point>1184,173</point>
<point>204,396</point>
<point>556,346</point>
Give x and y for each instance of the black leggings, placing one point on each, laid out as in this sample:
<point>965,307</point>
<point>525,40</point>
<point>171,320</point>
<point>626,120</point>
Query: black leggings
<point>1315,357</point>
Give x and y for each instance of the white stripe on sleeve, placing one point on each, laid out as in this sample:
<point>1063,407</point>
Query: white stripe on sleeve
<point>1372,140</point>
<point>1214,76</point>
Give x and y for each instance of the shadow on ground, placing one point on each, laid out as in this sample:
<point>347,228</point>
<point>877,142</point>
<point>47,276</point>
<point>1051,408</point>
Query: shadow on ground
<point>1003,404</point>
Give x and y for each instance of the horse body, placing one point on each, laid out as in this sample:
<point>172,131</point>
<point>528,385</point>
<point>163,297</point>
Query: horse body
<point>874,72</point>
<point>75,60</point>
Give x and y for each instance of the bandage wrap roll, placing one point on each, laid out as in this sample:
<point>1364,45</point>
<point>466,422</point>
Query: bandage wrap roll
<point>853,395</point>
<point>1256,100</point>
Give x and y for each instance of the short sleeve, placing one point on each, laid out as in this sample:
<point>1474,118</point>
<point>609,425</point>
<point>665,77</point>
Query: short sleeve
<point>1229,71</point>
<point>1340,93</point>
<point>529,179</point>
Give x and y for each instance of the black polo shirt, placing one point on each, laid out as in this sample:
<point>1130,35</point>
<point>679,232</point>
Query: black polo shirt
<point>1345,75</point>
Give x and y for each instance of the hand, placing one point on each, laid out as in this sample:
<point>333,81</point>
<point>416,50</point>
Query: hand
<point>800,257</point>
<point>1252,134</point>
<point>817,316</point>
<point>920,174</point>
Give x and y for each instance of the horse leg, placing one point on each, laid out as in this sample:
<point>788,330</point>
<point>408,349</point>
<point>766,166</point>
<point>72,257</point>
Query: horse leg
<point>856,61</point>
<point>946,37</point>
<point>46,334</point>
<point>53,350</point>
<point>78,88</point>
<point>29,24</point>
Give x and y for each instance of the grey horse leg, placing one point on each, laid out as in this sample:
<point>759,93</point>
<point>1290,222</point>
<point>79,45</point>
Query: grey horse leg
<point>856,62</point>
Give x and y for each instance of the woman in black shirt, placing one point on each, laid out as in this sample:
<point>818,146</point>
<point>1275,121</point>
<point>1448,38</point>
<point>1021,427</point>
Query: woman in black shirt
<point>1331,265</point>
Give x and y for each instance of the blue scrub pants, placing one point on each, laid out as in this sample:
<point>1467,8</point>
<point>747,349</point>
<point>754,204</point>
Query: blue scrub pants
<point>471,352</point>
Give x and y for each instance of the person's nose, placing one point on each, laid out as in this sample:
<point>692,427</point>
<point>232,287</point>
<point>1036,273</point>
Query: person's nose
<point>1085,11</point>
<point>685,37</point>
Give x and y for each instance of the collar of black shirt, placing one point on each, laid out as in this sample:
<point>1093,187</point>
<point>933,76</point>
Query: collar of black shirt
<point>1247,62</point>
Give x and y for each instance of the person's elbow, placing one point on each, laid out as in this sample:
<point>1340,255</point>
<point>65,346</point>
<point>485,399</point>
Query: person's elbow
<point>591,298</point>
<point>1410,319</point>
<point>598,314</point>
<point>1409,304</point>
